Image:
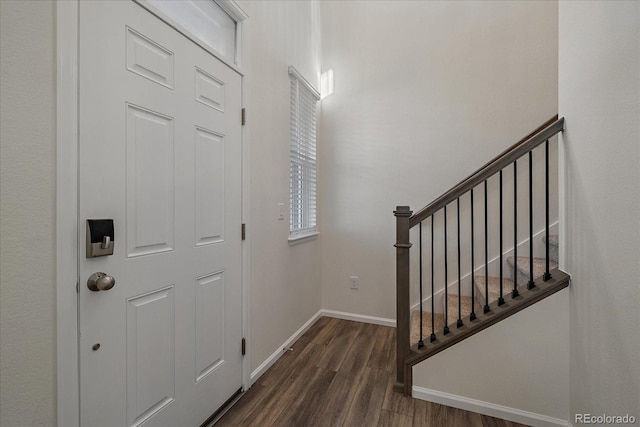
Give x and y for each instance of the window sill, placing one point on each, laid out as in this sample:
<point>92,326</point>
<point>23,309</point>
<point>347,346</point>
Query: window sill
<point>296,239</point>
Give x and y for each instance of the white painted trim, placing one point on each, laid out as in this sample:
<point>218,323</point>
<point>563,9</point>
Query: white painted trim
<point>233,9</point>
<point>294,239</point>
<point>294,72</point>
<point>562,201</point>
<point>193,37</point>
<point>359,318</point>
<point>269,361</point>
<point>487,408</point>
<point>242,53</point>
<point>67,369</point>
<point>283,348</point>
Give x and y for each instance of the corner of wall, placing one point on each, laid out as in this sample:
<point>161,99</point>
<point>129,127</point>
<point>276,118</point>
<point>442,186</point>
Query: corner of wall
<point>599,94</point>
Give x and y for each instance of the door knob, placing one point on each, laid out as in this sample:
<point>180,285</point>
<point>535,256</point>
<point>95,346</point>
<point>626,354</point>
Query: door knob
<point>100,282</point>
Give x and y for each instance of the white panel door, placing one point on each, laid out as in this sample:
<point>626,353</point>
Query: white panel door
<point>160,155</point>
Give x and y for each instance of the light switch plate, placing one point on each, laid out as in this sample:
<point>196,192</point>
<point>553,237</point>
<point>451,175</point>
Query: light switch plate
<point>353,282</point>
<point>280,211</point>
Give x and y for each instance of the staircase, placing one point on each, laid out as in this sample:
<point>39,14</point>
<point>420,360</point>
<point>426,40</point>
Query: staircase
<point>481,290</point>
<point>522,276</point>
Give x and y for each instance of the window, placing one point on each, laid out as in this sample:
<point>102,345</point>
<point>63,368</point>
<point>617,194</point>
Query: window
<point>303,161</point>
<point>205,21</point>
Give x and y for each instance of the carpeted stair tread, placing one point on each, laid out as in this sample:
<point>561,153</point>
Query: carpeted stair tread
<point>523,268</point>
<point>465,308</point>
<point>494,287</point>
<point>426,325</point>
<point>554,239</point>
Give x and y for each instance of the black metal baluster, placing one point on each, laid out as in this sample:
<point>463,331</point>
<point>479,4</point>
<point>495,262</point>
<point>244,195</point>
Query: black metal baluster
<point>472,316</point>
<point>459,323</point>
<point>486,252</point>
<point>501,298</point>
<point>421,341</point>
<point>515,292</point>
<point>433,312</point>
<point>531,283</point>
<point>446,277</point>
<point>547,274</point>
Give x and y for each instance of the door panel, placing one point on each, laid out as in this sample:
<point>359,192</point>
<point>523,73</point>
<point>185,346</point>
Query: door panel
<point>210,341</point>
<point>160,154</point>
<point>209,183</point>
<point>150,181</point>
<point>150,337</point>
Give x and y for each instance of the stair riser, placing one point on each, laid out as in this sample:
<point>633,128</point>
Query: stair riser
<point>553,247</point>
<point>520,278</point>
<point>554,253</point>
<point>521,270</point>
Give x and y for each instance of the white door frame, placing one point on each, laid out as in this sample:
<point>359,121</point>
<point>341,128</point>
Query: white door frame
<point>67,226</point>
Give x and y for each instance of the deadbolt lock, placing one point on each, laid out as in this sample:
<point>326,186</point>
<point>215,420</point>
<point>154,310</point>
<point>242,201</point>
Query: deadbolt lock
<point>100,237</point>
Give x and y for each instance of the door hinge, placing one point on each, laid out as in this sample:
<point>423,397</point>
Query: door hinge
<point>244,346</point>
<point>244,231</point>
<point>243,120</point>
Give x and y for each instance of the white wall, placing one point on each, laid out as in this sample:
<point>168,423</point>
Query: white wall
<point>599,94</point>
<point>521,363</point>
<point>27,209</point>
<point>285,280</point>
<point>425,93</point>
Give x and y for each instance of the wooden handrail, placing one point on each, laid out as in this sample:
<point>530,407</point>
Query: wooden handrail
<point>545,131</point>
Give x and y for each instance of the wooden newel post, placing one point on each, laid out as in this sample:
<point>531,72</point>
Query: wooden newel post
<point>402,214</point>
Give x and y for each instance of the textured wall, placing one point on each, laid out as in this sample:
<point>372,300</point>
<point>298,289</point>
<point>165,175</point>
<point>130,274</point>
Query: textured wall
<point>27,214</point>
<point>285,280</point>
<point>527,371</point>
<point>599,94</point>
<point>425,93</point>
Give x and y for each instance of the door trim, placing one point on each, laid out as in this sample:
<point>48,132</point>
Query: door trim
<point>231,8</point>
<point>67,253</point>
<point>67,378</point>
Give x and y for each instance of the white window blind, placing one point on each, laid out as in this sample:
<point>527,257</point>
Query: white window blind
<point>303,163</point>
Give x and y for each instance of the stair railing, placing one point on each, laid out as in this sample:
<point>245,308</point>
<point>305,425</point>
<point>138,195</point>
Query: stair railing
<point>406,220</point>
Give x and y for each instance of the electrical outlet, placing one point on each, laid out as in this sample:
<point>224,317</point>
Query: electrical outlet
<point>353,282</point>
<point>280,211</point>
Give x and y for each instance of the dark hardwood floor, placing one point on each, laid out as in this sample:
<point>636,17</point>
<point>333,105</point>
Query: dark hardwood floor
<point>341,374</point>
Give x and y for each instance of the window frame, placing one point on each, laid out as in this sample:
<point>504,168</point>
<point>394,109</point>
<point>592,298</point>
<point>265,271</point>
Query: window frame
<point>303,158</point>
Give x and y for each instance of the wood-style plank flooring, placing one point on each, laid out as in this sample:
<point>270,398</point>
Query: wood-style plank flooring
<point>341,373</point>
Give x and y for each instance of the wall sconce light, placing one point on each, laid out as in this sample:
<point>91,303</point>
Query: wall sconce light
<point>326,83</point>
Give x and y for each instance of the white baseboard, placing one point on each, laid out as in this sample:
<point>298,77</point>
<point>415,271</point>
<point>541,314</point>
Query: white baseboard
<point>359,318</point>
<point>257,373</point>
<point>487,408</point>
<point>461,402</point>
